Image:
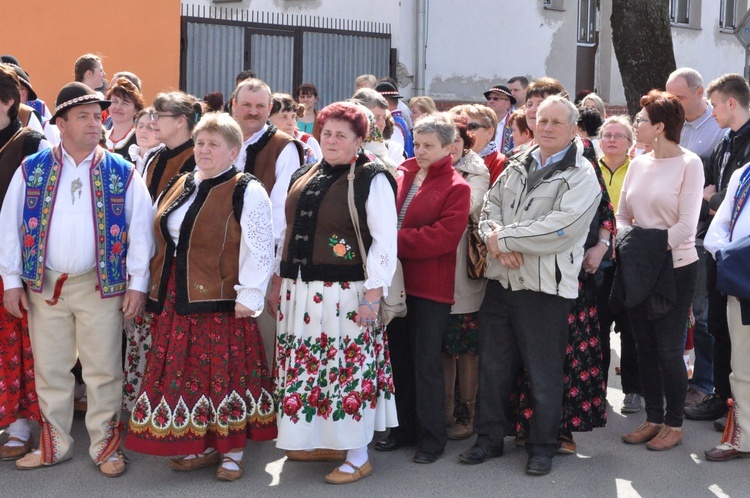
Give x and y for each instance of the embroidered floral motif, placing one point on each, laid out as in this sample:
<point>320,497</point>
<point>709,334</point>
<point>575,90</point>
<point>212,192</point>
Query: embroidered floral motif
<point>341,248</point>
<point>200,288</point>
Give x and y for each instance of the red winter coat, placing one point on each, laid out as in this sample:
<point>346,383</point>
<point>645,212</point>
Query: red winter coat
<point>495,162</point>
<point>432,228</point>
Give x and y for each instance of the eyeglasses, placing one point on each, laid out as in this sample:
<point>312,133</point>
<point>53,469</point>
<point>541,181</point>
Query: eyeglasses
<point>155,116</point>
<point>495,99</point>
<point>474,126</point>
<point>642,120</point>
<point>613,136</point>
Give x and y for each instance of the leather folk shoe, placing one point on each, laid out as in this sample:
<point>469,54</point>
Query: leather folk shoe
<point>317,455</point>
<point>341,477</point>
<point>114,467</point>
<point>229,475</point>
<point>539,465</point>
<point>8,453</point>
<point>644,433</point>
<point>479,453</point>
<point>725,452</point>
<point>668,438</point>
<point>32,460</point>
<point>198,462</point>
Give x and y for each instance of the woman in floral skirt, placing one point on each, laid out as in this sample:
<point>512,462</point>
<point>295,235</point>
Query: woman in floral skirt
<point>207,388</point>
<point>333,378</point>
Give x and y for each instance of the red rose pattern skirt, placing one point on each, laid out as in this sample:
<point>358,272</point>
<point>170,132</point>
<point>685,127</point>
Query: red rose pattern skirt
<point>206,385</point>
<point>334,385</point>
<point>584,395</point>
<point>17,392</point>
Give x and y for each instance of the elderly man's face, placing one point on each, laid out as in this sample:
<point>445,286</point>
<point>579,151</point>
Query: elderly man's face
<point>251,110</point>
<point>553,129</point>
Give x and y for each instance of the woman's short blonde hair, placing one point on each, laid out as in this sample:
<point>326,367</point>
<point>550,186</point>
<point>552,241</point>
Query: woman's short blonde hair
<point>426,104</point>
<point>481,113</point>
<point>598,103</point>
<point>223,124</point>
<point>621,120</point>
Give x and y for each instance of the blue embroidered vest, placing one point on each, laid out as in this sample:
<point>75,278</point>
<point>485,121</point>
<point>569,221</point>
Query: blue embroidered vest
<point>110,176</point>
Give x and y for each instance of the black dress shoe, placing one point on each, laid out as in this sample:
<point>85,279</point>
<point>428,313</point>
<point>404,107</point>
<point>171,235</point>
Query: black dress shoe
<point>427,456</point>
<point>711,408</point>
<point>391,443</point>
<point>479,453</point>
<point>539,465</point>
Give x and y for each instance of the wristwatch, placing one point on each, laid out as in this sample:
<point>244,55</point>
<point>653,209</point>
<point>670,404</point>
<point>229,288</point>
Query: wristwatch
<point>605,242</point>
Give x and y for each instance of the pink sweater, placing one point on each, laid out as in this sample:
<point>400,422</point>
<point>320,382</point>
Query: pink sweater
<point>665,194</point>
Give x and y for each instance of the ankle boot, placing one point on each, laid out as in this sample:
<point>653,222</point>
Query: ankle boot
<point>464,426</point>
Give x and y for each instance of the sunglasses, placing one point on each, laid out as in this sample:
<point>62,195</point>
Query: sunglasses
<point>474,126</point>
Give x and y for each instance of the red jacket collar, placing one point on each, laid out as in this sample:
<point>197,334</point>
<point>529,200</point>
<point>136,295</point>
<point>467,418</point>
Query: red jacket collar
<point>409,168</point>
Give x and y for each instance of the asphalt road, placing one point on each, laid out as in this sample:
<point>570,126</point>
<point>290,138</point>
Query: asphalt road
<point>604,466</point>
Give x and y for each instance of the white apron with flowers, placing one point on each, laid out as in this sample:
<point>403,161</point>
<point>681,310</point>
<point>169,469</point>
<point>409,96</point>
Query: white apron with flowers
<point>334,385</point>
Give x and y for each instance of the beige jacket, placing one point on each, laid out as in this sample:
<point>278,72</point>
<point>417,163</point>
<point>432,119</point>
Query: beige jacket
<point>546,222</point>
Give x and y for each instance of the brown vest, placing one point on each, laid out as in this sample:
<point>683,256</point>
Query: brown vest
<point>24,114</point>
<point>10,160</point>
<point>320,239</point>
<point>206,266</point>
<point>166,164</point>
<point>263,164</point>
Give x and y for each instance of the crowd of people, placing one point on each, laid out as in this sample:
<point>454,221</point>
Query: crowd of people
<point>219,270</point>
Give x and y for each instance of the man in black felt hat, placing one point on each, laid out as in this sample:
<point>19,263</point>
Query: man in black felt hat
<point>29,96</point>
<point>401,133</point>
<point>501,100</point>
<point>75,253</point>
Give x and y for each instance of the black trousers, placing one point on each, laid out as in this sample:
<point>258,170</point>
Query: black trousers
<point>661,344</point>
<point>719,328</point>
<point>415,343</point>
<point>631,381</point>
<point>521,328</point>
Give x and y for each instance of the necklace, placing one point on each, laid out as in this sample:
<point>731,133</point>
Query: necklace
<point>75,186</point>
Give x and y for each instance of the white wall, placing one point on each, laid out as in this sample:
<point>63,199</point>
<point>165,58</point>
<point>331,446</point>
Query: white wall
<point>474,45</point>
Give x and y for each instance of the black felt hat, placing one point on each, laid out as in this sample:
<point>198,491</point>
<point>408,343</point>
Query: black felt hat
<point>25,81</point>
<point>502,89</point>
<point>75,94</point>
<point>386,89</point>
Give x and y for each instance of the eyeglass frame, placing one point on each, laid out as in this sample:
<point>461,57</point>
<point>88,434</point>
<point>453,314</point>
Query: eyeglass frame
<point>155,116</point>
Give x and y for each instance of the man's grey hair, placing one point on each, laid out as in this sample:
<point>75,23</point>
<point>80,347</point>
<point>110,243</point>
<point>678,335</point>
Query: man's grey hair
<point>440,123</point>
<point>692,77</point>
<point>370,98</point>
<point>559,99</point>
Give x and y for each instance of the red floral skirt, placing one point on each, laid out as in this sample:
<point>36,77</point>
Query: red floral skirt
<point>17,391</point>
<point>206,385</point>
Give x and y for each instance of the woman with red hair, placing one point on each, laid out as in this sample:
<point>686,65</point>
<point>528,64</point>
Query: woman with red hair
<point>334,385</point>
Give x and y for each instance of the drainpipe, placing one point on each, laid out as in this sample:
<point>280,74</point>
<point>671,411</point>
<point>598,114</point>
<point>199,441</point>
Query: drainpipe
<point>419,86</point>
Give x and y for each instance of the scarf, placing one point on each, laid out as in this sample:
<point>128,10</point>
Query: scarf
<point>488,149</point>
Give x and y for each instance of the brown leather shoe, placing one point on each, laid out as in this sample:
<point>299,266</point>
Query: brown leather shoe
<point>8,453</point>
<point>694,397</point>
<point>200,461</point>
<point>644,433</point>
<point>725,452</point>
<point>30,461</point>
<point>225,474</point>
<point>339,477</point>
<point>114,468</point>
<point>668,438</point>
<point>566,446</point>
<point>318,455</point>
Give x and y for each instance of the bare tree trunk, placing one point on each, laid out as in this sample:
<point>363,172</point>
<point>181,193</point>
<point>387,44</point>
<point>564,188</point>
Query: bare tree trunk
<point>642,40</point>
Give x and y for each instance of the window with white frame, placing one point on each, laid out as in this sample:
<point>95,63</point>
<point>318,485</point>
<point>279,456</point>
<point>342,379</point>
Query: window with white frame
<point>685,13</point>
<point>730,14</point>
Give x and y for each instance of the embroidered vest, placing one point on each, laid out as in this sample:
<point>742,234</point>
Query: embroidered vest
<point>206,257</point>
<point>320,242</point>
<point>110,177</point>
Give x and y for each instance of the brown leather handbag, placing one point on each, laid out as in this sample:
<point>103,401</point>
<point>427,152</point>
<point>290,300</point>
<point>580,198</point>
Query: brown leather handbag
<point>476,253</point>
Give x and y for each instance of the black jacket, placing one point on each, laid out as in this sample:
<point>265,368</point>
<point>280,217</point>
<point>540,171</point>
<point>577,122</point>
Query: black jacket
<point>736,147</point>
<point>644,272</point>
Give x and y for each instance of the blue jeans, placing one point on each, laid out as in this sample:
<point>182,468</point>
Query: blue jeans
<point>703,370</point>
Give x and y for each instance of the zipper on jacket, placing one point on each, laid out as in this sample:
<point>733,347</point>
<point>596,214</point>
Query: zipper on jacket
<point>529,204</point>
<point>558,276</point>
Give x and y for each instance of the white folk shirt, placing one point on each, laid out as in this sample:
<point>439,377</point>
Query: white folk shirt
<point>287,163</point>
<point>256,245</point>
<point>71,241</point>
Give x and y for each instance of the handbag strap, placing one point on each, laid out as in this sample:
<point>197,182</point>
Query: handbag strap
<point>355,217</point>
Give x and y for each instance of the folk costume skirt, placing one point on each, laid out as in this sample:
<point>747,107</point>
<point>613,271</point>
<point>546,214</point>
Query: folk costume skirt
<point>206,385</point>
<point>17,393</point>
<point>334,385</point>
